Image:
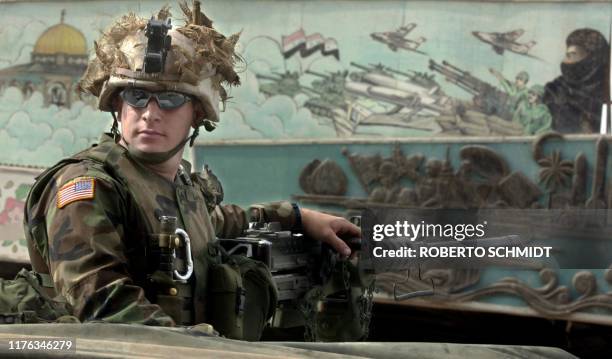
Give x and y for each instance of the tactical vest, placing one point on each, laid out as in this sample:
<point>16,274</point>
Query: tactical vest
<point>148,197</point>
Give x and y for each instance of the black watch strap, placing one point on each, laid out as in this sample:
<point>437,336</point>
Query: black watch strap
<point>297,226</point>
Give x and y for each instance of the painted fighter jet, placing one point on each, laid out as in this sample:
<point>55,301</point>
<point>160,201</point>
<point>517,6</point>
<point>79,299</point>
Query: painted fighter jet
<point>505,41</point>
<point>398,39</point>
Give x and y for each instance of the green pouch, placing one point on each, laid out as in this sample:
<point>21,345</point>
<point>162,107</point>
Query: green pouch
<point>173,306</point>
<point>226,300</point>
<point>261,295</point>
<point>22,300</point>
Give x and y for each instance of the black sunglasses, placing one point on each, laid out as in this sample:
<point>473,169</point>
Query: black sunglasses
<point>167,100</point>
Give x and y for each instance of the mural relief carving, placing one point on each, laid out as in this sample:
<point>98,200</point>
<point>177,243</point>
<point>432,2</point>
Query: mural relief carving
<point>483,179</point>
<point>550,300</point>
<point>324,178</point>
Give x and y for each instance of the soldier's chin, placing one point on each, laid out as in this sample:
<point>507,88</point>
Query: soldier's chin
<point>147,147</point>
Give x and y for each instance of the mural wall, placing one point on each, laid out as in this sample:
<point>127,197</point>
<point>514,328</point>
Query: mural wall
<point>328,69</point>
<point>14,186</point>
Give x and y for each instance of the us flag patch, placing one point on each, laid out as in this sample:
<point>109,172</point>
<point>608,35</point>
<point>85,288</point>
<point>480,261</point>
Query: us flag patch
<point>76,190</point>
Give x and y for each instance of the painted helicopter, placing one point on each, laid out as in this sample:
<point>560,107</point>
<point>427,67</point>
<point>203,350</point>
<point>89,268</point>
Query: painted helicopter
<point>505,41</point>
<point>398,39</point>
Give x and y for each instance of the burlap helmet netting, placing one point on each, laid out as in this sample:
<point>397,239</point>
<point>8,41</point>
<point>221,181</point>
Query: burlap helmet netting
<point>199,62</point>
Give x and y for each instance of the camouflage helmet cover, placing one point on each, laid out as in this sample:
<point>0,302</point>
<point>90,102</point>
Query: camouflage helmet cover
<point>199,61</point>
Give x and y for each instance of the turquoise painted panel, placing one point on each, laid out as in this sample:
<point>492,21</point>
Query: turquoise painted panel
<point>254,173</point>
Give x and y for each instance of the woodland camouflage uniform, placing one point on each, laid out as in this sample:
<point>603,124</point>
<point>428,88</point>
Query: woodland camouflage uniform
<point>99,247</point>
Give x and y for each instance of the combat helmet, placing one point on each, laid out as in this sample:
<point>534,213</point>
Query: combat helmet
<point>537,90</point>
<point>523,75</point>
<point>153,54</point>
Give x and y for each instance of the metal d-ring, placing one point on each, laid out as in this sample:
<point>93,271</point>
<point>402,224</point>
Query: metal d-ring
<point>184,277</point>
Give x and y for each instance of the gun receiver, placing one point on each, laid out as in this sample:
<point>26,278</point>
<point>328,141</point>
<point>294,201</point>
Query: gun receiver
<point>487,98</point>
<point>289,256</point>
<point>316,287</point>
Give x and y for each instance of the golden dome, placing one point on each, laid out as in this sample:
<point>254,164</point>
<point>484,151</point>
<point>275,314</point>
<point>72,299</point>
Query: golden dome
<point>61,38</point>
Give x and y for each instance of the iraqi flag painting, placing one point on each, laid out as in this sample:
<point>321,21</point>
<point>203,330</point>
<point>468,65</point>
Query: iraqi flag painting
<point>306,45</point>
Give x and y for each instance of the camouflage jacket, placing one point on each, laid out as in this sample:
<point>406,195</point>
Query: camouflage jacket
<point>90,220</point>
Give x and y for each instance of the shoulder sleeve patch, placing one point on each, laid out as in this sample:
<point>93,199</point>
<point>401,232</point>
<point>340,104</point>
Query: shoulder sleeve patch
<point>77,189</point>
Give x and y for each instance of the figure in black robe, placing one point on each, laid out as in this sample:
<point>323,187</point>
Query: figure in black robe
<point>576,97</point>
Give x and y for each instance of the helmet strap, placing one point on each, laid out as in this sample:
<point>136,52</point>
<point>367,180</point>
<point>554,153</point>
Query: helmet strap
<point>193,136</point>
<point>155,158</point>
<point>115,128</point>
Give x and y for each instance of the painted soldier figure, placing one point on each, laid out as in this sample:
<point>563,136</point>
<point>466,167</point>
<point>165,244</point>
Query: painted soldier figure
<point>95,221</point>
<point>533,114</point>
<point>516,91</point>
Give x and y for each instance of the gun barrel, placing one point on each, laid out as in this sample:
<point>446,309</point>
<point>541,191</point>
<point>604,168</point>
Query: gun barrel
<point>410,73</point>
<point>461,78</point>
<point>311,90</point>
<point>434,66</point>
<point>359,66</point>
<point>453,67</point>
<point>267,77</point>
<point>465,87</point>
<point>318,74</point>
<point>448,72</point>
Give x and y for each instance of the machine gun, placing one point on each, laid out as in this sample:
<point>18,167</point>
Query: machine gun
<point>487,98</point>
<point>316,288</point>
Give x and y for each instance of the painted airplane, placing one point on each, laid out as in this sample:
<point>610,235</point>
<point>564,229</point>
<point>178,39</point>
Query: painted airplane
<point>505,41</point>
<point>398,40</point>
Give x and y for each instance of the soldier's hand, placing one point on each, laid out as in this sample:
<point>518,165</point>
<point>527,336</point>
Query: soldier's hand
<point>329,229</point>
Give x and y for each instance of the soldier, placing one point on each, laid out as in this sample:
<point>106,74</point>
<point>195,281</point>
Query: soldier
<point>95,221</point>
<point>533,114</point>
<point>517,90</point>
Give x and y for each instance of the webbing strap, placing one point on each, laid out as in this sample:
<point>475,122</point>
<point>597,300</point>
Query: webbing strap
<point>45,280</point>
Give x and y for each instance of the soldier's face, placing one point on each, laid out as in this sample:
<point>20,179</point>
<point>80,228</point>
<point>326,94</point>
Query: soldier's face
<point>151,129</point>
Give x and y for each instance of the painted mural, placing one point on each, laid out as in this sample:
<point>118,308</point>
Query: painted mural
<point>15,182</point>
<point>329,69</point>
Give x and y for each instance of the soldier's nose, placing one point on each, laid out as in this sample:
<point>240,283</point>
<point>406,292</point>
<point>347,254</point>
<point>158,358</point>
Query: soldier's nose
<point>152,112</point>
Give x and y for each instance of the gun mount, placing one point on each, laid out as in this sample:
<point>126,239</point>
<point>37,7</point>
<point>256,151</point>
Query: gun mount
<point>302,270</point>
<point>487,98</point>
